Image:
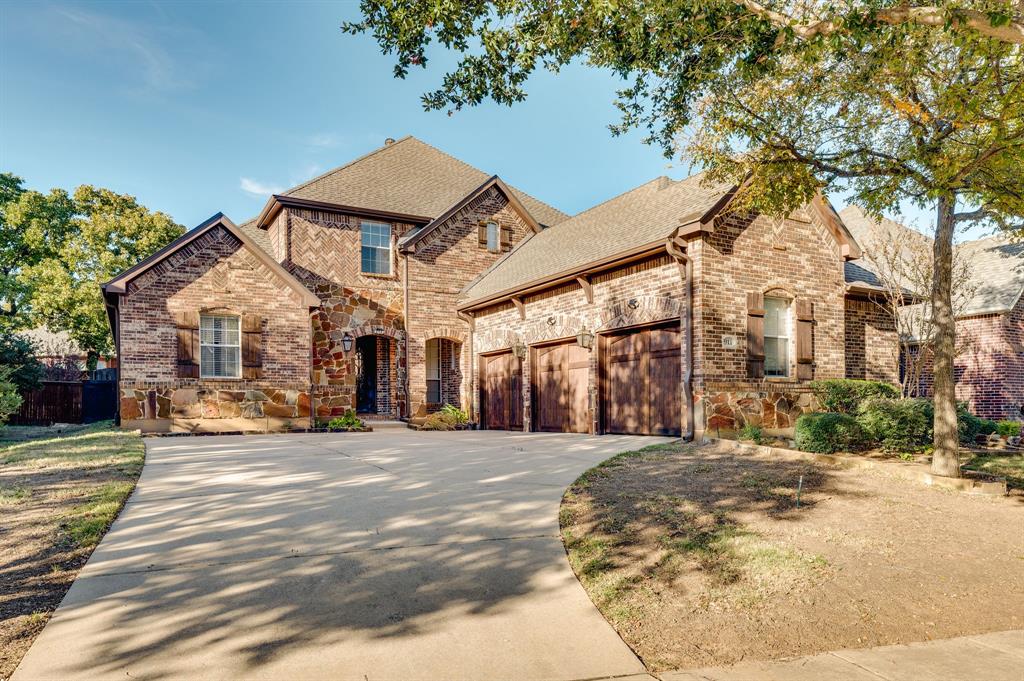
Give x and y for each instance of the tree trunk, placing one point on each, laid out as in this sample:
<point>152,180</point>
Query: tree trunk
<point>945,457</point>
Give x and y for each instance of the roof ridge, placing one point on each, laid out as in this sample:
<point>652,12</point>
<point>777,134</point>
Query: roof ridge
<point>350,163</point>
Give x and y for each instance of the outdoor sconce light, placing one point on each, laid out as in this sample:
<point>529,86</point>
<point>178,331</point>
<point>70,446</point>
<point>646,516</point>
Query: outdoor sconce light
<point>585,339</point>
<point>633,303</point>
<point>346,342</point>
<point>519,349</point>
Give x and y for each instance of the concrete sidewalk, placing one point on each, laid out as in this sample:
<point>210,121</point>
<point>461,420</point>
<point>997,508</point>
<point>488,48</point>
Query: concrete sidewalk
<point>986,657</point>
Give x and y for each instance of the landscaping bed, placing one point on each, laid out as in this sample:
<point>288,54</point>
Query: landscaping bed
<point>60,488</point>
<point>699,556</point>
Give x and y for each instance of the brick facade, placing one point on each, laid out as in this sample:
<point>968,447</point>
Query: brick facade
<point>215,273</point>
<point>872,344</point>
<point>990,371</point>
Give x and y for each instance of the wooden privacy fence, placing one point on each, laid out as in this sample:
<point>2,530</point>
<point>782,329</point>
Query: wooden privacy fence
<point>54,402</point>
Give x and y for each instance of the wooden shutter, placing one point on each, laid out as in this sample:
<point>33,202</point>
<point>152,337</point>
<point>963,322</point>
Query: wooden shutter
<point>252,350</point>
<point>506,237</point>
<point>755,335</point>
<point>804,339</point>
<point>481,234</point>
<point>187,324</point>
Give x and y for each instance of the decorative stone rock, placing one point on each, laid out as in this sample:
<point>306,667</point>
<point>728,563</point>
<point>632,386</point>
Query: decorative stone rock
<point>230,395</point>
<point>229,410</point>
<point>211,409</point>
<point>184,396</point>
<point>252,410</point>
<point>255,396</point>
<point>163,407</point>
<point>302,404</point>
<point>274,409</point>
<point>130,409</point>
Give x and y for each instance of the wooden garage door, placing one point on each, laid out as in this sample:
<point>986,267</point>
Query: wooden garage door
<point>501,392</point>
<point>640,381</point>
<point>560,375</point>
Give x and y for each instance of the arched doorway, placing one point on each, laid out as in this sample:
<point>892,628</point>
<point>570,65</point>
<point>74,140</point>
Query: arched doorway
<point>376,376</point>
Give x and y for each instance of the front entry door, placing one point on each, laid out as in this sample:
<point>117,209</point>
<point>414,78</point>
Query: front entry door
<point>366,374</point>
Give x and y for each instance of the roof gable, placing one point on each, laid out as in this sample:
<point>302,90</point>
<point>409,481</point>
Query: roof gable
<point>119,284</point>
<point>408,177</point>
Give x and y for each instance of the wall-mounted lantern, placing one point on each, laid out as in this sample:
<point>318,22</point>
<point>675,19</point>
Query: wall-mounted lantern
<point>585,339</point>
<point>519,349</point>
<point>346,342</point>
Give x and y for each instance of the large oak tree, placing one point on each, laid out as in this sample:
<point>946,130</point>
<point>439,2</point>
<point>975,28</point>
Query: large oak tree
<point>893,102</point>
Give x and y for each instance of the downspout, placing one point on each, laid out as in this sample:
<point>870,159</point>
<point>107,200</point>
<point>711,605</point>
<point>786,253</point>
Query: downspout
<point>405,348</point>
<point>471,322</point>
<point>686,268</point>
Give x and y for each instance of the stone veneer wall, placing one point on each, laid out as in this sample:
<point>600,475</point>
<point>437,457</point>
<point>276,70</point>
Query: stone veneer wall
<point>990,371</point>
<point>655,284</point>
<point>872,344</point>
<point>214,272</point>
<point>443,263</point>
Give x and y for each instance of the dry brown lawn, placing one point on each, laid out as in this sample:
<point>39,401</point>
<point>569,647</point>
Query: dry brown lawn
<point>700,557</point>
<point>59,491</point>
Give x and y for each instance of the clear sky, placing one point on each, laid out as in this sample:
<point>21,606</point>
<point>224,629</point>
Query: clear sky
<point>198,107</point>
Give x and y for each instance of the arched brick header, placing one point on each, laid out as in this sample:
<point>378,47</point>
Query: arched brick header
<point>451,333</point>
<point>377,330</point>
<point>497,339</point>
<point>551,327</point>
<point>646,309</point>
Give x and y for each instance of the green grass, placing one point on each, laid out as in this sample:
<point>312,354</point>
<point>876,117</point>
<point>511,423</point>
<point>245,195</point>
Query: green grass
<point>87,523</point>
<point>14,495</point>
<point>1009,466</point>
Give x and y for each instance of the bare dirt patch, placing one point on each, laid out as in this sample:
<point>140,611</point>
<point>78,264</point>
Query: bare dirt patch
<point>59,491</point>
<point>700,557</point>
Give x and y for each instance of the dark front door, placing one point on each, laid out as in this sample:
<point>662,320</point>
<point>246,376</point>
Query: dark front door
<point>366,374</point>
<point>640,381</point>
<point>560,398</point>
<point>501,392</point>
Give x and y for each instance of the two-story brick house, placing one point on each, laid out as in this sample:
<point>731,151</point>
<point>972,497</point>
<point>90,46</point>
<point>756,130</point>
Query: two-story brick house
<point>339,295</point>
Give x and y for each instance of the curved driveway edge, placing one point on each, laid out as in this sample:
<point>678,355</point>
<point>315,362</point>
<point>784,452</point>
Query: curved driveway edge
<point>386,555</point>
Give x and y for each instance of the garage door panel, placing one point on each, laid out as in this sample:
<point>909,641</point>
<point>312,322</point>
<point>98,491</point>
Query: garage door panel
<point>501,380</point>
<point>560,395</point>
<point>641,379</point>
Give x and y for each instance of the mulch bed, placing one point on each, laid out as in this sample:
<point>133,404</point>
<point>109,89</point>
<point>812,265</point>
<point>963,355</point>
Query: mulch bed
<point>701,557</point>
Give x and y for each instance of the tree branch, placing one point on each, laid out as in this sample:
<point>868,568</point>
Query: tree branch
<point>1011,32</point>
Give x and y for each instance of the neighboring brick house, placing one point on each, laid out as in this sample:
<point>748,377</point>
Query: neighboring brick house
<point>989,371</point>
<point>339,295</point>
<point>588,326</point>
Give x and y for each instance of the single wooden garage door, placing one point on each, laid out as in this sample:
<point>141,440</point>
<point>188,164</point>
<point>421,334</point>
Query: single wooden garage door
<point>501,392</point>
<point>560,374</point>
<point>640,381</point>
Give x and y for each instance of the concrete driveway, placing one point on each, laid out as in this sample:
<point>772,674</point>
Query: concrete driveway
<point>386,555</point>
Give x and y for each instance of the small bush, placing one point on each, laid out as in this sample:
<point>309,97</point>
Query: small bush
<point>967,423</point>
<point>897,425</point>
<point>348,421</point>
<point>10,400</point>
<point>988,427</point>
<point>845,395</point>
<point>753,433</point>
<point>828,432</point>
<point>1008,428</point>
<point>439,420</point>
<point>455,414</point>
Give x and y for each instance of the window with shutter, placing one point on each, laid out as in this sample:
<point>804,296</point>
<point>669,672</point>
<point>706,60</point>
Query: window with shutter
<point>506,237</point>
<point>490,236</point>
<point>755,335</point>
<point>252,348</point>
<point>776,337</point>
<point>187,324</point>
<point>804,340</point>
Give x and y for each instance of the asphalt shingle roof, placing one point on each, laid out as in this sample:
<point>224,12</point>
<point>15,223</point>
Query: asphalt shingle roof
<point>409,176</point>
<point>996,263</point>
<point>641,216</point>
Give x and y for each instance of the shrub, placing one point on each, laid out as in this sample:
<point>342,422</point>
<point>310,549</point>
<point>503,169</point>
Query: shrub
<point>18,355</point>
<point>348,421</point>
<point>828,432</point>
<point>988,427</point>
<point>967,423</point>
<point>754,433</point>
<point>455,414</point>
<point>897,425</point>
<point>10,400</point>
<point>1008,428</point>
<point>845,395</point>
<point>440,420</point>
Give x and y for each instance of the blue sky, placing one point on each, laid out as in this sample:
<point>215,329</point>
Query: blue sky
<point>200,107</point>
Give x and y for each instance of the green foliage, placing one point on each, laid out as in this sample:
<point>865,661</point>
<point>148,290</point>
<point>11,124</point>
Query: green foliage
<point>458,416</point>
<point>18,356</point>
<point>897,425</point>
<point>844,395</point>
<point>968,424</point>
<point>827,432</point>
<point>347,421</point>
<point>988,427</point>
<point>753,433</point>
<point>10,400</point>
<point>1008,428</point>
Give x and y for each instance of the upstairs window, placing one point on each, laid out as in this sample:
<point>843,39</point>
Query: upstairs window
<point>376,241</point>
<point>776,337</point>
<point>220,346</point>
<point>493,237</point>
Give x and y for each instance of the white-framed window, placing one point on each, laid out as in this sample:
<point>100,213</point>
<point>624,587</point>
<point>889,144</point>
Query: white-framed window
<point>220,343</point>
<point>776,336</point>
<point>433,362</point>
<point>493,236</point>
<point>376,241</point>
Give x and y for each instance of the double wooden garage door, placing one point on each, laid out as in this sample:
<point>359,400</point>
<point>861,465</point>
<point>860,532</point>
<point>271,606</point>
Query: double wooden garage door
<point>639,385</point>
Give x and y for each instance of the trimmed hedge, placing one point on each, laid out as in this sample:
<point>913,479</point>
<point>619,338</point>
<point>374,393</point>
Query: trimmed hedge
<point>1008,428</point>
<point>897,425</point>
<point>845,395</point>
<point>828,432</point>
